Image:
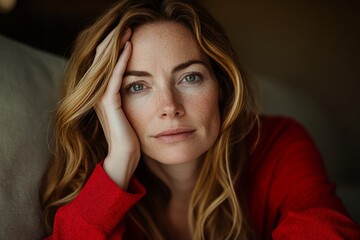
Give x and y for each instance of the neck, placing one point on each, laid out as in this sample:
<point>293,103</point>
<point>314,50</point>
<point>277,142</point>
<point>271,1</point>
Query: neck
<point>180,178</point>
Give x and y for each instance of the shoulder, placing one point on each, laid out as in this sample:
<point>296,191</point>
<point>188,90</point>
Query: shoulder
<point>275,127</point>
<point>285,173</point>
<point>279,134</point>
<point>282,159</point>
<point>281,148</point>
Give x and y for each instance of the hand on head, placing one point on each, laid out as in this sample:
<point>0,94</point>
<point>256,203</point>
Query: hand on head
<point>124,148</point>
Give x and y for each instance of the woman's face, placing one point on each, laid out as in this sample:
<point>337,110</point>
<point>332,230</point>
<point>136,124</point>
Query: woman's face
<point>170,94</point>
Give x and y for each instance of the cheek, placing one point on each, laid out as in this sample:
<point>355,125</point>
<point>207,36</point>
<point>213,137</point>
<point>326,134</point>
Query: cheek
<point>214,113</point>
<point>206,108</point>
<point>136,114</point>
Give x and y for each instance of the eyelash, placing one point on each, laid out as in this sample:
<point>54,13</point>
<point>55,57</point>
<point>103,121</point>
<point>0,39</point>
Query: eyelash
<point>196,74</point>
<point>128,88</point>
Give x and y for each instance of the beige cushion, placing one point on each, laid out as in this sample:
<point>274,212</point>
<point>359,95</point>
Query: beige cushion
<point>28,90</point>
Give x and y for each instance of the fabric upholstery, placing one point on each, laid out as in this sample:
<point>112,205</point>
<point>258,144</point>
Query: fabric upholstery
<point>29,82</point>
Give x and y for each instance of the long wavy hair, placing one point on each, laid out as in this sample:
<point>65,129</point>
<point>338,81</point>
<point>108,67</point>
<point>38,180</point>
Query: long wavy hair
<point>217,208</point>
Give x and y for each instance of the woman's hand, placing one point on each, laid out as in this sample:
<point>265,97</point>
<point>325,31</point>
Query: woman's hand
<point>124,147</point>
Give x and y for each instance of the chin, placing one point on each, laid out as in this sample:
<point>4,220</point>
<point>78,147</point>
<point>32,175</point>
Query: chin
<point>174,157</point>
<point>179,152</point>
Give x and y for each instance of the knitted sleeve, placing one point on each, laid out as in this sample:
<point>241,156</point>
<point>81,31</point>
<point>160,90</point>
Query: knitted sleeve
<point>98,211</point>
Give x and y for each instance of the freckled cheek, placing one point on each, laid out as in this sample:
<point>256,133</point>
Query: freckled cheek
<point>206,109</point>
<point>137,113</point>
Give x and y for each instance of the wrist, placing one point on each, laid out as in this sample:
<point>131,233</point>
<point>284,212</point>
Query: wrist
<point>121,169</point>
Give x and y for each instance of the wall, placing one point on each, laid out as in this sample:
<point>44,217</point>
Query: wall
<point>312,49</point>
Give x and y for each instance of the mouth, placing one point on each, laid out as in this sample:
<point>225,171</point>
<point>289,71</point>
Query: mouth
<point>174,135</point>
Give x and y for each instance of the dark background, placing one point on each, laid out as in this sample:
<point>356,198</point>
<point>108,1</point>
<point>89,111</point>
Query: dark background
<point>51,25</point>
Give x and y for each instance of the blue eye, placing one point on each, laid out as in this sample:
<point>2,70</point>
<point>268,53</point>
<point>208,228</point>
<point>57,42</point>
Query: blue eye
<point>192,78</point>
<point>136,87</point>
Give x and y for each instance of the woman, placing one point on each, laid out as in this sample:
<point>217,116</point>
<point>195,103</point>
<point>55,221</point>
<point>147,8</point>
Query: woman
<point>154,99</point>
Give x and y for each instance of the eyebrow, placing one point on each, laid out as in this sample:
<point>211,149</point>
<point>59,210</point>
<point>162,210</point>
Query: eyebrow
<point>176,69</point>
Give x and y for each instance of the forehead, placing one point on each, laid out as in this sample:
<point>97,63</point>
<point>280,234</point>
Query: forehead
<point>163,44</point>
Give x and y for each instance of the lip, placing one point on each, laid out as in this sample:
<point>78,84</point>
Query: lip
<point>174,131</point>
<point>175,134</point>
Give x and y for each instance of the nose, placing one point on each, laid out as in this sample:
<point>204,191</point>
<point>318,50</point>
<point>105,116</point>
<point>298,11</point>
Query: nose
<point>171,104</point>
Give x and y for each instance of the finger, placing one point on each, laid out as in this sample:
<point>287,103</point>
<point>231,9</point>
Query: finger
<point>103,45</point>
<point>126,36</point>
<point>119,70</point>
<point>100,48</point>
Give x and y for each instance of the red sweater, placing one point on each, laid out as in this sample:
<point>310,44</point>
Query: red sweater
<point>289,195</point>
